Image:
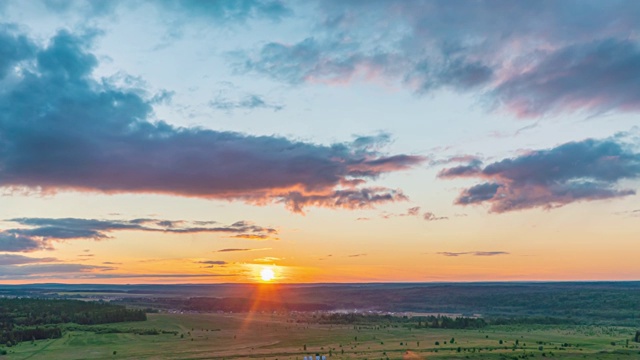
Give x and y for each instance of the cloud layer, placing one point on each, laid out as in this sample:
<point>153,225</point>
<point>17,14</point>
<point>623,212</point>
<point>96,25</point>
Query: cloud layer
<point>577,171</point>
<point>531,58</point>
<point>40,233</point>
<point>60,129</point>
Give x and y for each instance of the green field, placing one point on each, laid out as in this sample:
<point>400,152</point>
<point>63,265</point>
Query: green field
<point>279,336</point>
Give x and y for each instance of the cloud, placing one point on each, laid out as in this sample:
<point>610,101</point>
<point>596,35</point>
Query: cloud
<point>532,58</point>
<point>40,232</point>
<point>254,237</point>
<point>598,76</point>
<point>97,8</point>
<point>86,272</point>
<point>415,212</point>
<point>19,243</point>
<point>240,249</point>
<point>152,276</point>
<point>412,211</point>
<point>47,270</point>
<point>267,259</point>
<point>177,12</point>
<point>576,171</point>
<point>212,263</point>
<point>15,48</point>
<point>356,255</point>
<point>462,170</point>
<point>62,130</point>
<point>249,102</point>
<point>429,216</point>
<point>473,253</point>
<point>223,11</point>
<point>11,259</point>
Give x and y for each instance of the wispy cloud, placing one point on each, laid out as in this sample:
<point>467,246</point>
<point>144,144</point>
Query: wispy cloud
<point>267,259</point>
<point>241,249</point>
<point>429,216</point>
<point>473,253</point>
<point>41,232</point>
<point>248,102</point>
<point>415,212</point>
<point>212,263</point>
<point>48,270</point>
<point>577,171</point>
<point>255,236</point>
<point>356,255</point>
<point>180,13</point>
<point>11,259</point>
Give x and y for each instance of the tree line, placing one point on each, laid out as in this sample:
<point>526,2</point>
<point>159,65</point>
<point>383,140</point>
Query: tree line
<point>430,321</point>
<point>24,319</point>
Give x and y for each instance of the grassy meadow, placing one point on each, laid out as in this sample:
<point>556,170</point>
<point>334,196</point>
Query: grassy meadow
<point>286,336</point>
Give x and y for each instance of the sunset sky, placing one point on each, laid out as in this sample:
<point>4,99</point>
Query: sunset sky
<point>329,141</point>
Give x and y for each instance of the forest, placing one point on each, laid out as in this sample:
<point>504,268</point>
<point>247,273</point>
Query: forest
<point>26,319</point>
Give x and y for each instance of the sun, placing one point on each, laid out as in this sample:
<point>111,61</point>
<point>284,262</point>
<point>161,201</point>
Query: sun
<point>267,274</point>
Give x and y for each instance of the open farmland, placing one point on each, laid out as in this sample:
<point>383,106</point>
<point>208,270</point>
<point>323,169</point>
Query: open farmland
<point>286,335</point>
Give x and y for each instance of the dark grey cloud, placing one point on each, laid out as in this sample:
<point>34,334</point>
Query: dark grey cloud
<point>248,102</point>
<point>356,255</point>
<point>473,253</point>
<point>532,58</point>
<point>11,259</point>
<point>577,171</point>
<point>62,130</point>
<point>41,232</point>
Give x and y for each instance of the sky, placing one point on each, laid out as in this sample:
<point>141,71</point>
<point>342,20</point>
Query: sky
<point>327,141</point>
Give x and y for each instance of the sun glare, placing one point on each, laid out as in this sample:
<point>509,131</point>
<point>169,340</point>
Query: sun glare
<point>267,274</point>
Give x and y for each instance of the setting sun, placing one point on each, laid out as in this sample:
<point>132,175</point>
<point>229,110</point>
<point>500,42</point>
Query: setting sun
<point>267,274</point>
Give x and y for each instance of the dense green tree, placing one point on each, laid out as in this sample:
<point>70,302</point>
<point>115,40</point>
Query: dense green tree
<point>27,319</point>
